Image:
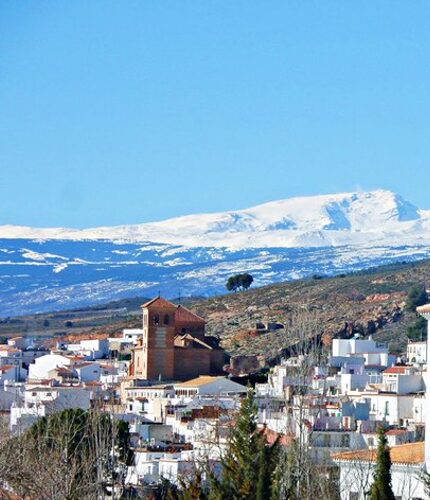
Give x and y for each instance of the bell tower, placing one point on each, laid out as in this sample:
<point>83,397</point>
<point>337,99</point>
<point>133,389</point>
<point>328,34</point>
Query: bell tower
<point>158,352</point>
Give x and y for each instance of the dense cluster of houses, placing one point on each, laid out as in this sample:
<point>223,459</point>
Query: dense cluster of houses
<point>181,413</point>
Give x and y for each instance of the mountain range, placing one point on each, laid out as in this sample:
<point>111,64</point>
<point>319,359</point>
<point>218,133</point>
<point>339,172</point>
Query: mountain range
<point>44,269</point>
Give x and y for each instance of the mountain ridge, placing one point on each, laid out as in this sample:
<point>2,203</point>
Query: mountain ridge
<point>336,219</point>
<point>54,269</point>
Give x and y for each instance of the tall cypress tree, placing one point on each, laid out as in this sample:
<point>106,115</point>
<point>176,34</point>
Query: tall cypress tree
<point>381,487</point>
<point>247,466</point>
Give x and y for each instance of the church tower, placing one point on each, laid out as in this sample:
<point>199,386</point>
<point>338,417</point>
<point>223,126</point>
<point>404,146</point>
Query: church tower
<point>158,351</point>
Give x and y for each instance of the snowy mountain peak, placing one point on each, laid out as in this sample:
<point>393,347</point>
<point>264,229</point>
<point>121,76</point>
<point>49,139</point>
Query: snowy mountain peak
<point>55,268</point>
<point>324,220</point>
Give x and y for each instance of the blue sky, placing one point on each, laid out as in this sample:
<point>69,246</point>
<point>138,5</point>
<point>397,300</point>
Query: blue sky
<point>132,111</point>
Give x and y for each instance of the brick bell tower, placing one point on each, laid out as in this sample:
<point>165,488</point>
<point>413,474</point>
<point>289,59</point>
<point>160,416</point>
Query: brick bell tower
<point>157,356</point>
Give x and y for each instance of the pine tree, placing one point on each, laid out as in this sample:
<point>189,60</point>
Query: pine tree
<point>247,468</point>
<point>381,487</point>
<point>417,296</point>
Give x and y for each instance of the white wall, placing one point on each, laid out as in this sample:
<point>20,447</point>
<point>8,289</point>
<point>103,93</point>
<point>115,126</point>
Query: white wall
<point>42,366</point>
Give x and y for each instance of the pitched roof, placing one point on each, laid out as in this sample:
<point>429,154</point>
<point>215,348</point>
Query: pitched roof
<point>199,381</point>
<point>6,368</point>
<point>411,453</point>
<point>195,340</point>
<point>185,315</point>
<point>396,369</point>
<point>396,432</point>
<point>160,303</point>
<point>425,309</point>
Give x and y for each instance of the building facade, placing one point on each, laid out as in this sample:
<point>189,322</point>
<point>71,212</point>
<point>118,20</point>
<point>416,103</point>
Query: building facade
<point>173,345</point>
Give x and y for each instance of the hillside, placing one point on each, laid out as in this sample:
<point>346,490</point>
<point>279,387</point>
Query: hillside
<point>366,302</point>
<point>54,269</point>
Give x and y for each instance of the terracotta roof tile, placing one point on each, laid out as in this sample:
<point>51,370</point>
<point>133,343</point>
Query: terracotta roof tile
<point>199,381</point>
<point>425,309</point>
<point>396,369</point>
<point>183,314</point>
<point>411,453</point>
<point>160,303</point>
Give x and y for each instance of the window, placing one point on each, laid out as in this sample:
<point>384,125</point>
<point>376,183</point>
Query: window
<point>166,319</point>
<point>345,441</point>
<point>156,319</point>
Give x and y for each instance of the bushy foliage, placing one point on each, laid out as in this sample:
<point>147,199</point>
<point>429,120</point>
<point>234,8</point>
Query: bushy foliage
<point>417,296</point>
<point>418,331</point>
<point>239,282</point>
<point>70,454</point>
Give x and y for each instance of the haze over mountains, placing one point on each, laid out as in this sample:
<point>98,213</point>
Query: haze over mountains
<point>53,268</point>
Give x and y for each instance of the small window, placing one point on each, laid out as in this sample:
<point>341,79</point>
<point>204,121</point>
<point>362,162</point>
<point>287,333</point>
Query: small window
<point>166,319</point>
<point>156,319</point>
<point>345,441</point>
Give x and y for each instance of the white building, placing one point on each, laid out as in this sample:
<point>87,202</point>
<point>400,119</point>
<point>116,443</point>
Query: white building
<point>402,380</point>
<point>408,460</point>
<point>39,370</point>
<point>206,385</point>
<point>374,354</point>
<point>90,349</point>
<point>40,401</point>
<point>417,352</point>
<point>132,334</point>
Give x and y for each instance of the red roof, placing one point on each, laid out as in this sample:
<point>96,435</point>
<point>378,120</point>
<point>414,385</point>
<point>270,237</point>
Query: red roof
<point>159,303</point>
<point>5,368</point>
<point>396,369</point>
<point>396,432</point>
<point>184,315</point>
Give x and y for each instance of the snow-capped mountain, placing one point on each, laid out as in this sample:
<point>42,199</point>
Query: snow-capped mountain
<point>42,269</point>
<point>339,219</point>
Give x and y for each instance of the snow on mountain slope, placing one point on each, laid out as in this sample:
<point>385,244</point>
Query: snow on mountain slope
<point>379,217</point>
<point>57,268</point>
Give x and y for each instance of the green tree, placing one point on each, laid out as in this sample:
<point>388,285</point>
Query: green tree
<point>418,331</point>
<point>417,296</point>
<point>232,284</point>
<point>239,281</point>
<point>247,467</point>
<point>245,280</point>
<point>381,487</point>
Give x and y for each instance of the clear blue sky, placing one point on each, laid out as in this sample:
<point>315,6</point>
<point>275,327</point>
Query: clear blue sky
<point>132,111</point>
